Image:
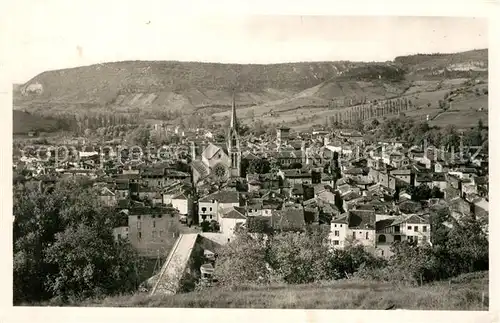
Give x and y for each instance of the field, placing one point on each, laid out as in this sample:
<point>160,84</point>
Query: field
<point>466,292</point>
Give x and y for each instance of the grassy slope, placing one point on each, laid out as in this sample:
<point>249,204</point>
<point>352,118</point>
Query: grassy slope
<point>294,89</point>
<point>462,293</point>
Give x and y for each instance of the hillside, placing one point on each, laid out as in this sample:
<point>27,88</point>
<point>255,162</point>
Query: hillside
<point>154,87</point>
<point>465,292</point>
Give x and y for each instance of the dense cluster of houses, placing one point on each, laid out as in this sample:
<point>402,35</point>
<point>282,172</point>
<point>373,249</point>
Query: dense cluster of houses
<point>369,199</point>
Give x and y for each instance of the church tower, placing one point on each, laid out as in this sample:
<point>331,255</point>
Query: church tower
<point>233,144</point>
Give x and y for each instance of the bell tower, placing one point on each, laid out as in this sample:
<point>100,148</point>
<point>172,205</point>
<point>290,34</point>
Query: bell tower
<point>233,144</point>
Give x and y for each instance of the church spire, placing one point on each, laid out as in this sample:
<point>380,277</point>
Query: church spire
<point>233,124</point>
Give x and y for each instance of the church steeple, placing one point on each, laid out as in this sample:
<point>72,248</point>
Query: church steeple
<point>234,122</point>
<point>233,144</point>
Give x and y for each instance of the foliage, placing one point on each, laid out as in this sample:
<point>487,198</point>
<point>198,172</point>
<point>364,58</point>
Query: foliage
<point>461,249</point>
<point>289,257</point>
<point>259,166</point>
<point>242,260</point>
<point>64,247</point>
<point>258,225</point>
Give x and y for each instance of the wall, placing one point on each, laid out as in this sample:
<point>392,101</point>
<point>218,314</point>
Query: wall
<point>121,232</point>
<point>420,234</point>
<point>342,234</point>
<point>228,226</point>
<point>151,235</point>
<point>361,236</point>
<point>182,205</point>
<point>210,210</point>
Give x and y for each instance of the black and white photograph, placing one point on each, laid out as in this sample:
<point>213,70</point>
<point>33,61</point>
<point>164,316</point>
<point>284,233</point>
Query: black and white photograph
<point>249,161</point>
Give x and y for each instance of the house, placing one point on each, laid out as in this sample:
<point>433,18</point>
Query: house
<point>338,231</point>
<point>424,179</point>
<point>403,175</point>
<point>296,176</point>
<point>210,206</point>
<point>410,227</point>
<point>149,230</point>
<point>439,181</point>
<point>153,177</point>
<point>361,227</point>
<point>182,202</point>
<point>231,218</point>
<point>108,197</point>
<point>122,189</point>
<point>297,192</point>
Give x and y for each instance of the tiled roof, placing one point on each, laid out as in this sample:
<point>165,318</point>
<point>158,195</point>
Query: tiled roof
<point>222,197</point>
<point>382,224</point>
<point>210,151</point>
<point>362,219</point>
<point>200,168</point>
<point>289,219</point>
<point>234,213</point>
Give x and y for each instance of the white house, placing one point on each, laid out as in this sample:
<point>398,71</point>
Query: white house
<point>182,203</point>
<point>211,206</point>
<point>362,227</point>
<point>231,218</point>
<point>338,231</point>
<point>410,227</point>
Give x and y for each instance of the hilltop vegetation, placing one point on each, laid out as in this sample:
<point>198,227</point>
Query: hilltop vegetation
<point>158,89</point>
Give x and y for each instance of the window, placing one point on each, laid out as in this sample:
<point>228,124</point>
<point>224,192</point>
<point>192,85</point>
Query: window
<point>341,225</point>
<point>424,228</point>
<point>410,238</point>
<point>337,233</point>
<point>139,235</point>
<point>154,224</point>
<point>415,228</point>
<point>336,242</point>
<point>381,238</point>
<point>396,228</point>
<point>382,253</point>
<point>139,218</point>
<point>335,225</point>
<point>409,227</point>
<point>397,238</point>
<point>367,236</point>
<point>210,209</point>
<point>354,235</point>
<point>424,239</point>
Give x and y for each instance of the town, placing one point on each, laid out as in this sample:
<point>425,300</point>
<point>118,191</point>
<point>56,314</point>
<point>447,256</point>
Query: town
<point>201,192</point>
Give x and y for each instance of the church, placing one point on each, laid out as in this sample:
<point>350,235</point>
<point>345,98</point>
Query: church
<point>222,161</point>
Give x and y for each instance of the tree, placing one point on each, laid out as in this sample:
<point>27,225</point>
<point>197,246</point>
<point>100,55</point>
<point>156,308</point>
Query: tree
<point>468,244</point>
<point>439,231</point>
<point>299,258</point>
<point>64,247</point>
<point>242,260</point>
<point>259,166</point>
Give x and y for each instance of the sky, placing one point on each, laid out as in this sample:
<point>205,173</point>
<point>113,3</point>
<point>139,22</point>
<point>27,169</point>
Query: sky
<point>53,34</point>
